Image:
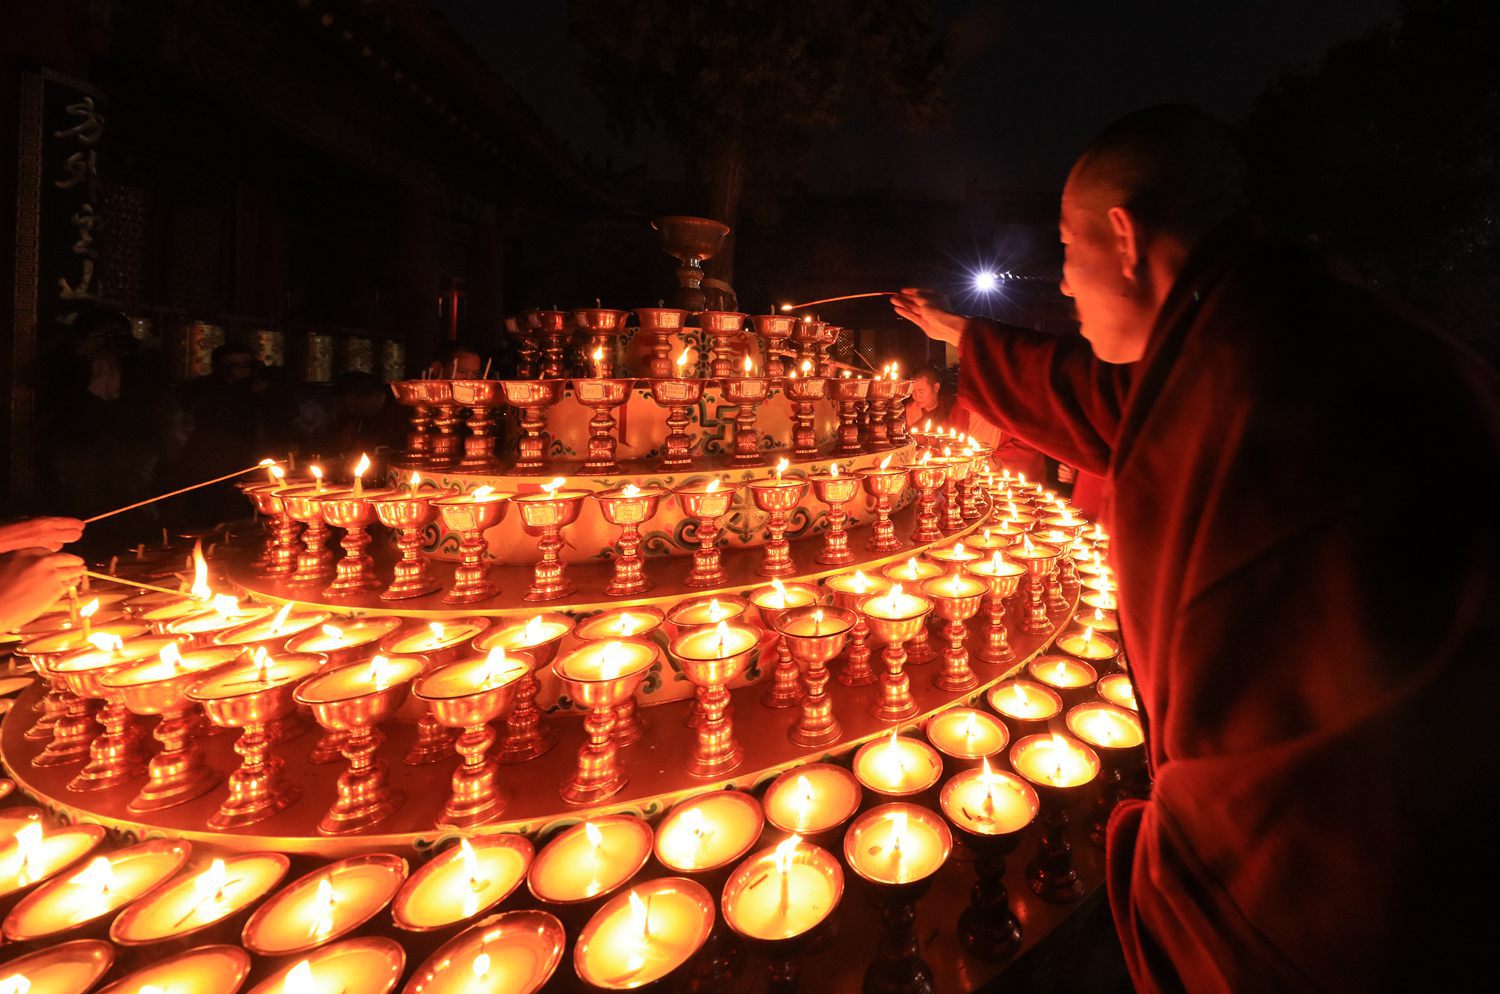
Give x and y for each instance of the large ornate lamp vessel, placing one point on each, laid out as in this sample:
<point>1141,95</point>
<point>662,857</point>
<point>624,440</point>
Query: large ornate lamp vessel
<point>883,485</point>
<point>678,394</point>
<point>468,695</point>
<point>895,617</point>
<point>746,393</point>
<point>408,514</point>
<point>629,507</point>
<point>354,700</point>
<point>249,697</point>
<point>835,489</point>
<point>481,397</point>
<point>692,241</point>
<point>600,676</point>
<point>706,502</point>
<point>804,392</point>
<point>777,497</point>
<point>603,396</point>
<point>471,515</point>
<point>711,657</point>
<point>531,398</point>
<point>814,636</point>
<point>537,638</point>
<point>545,515</point>
<point>657,326</point>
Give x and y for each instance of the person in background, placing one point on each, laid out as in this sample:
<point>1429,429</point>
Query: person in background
<point>368,418</point>
<point>930,400</point>
<point>1317,690</point>
<point>456,361</point>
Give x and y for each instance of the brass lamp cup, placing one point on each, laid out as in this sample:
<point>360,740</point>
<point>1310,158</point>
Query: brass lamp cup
<point>433,743</point>
<point>556,327</point>
<point>747,393</point>
<point>476,795</point>
<point>956,675</point>
<point>52,705</point>
<point>599,773</point>
<point>927,477</point>
<point>968,484</point>
<point>785,688</point>
<point>849,393</point>
<point>481,397</point>
<point>471,518</point>
<point>177,773</point>
<point>526,737</point>
<point>898,963</point>
<point>877,429</point>
<point>806,334</point>
<point>783,955</point>
<point>604,326</point>
<point>883,487</point>
<point>419,436</point>
<point>678,396</point>
<point>707,507</point>
<point>67,723</point>
<point>956,469</point>
<point>545,515</point>
<point>1051,874</point>
<point>603,396</point>
<point>628,512</point>
<point>835,491</point>
<point>896,419</point>
<point>1039,563</point>
<point>773,331</point>
<point>691,240</point>
<point>365,797</point>
<point>274,560</point>
<point>987,928</point>
<point>355,572</point>
<point>720,327</point>
<point>303,505</point>
<point>715,750</point>
<point>804,392</point>
<point>777,498</point>
<point>118,754</point>
<point>445,444</point>
<point>856,671</point>
<point>896,702</point>
<point>815,726</point>
<point>1002,587</point>
<point>658,324</point>
<point>408,515</point>
<point>532,398</point>
<point>258,789</point>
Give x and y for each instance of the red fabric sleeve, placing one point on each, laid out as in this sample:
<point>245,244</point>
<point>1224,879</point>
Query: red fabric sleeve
<point>1049,390</point>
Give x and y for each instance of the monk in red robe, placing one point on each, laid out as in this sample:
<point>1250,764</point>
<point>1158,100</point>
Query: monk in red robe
<point>1312,622</point>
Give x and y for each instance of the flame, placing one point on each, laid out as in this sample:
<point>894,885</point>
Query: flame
<point>860,582</point>
<point>898,831</point>
<point>437,630</point>
<point>363,466</point>
<point>481,965</point>
<point>380,673</point>
<point>892,604</point>
<point>89,609</point>
<point>625,625</point>
<point>630,490</point>
<point>693,821</point>
<point>280,618</point>
<point>279,473</point>
<point>1088,635</point>
<point>779,590</point>
<point>713,485</point>
<point>1026,543</point>
<point>28,841</point>
<point>818,622</point>
<point>833,471</point>
<point>640,914</point>
<point>1060,673</point>
<point>1059,749</point>
<point>598,354</point>
<point>681,361</point>
<point>785,852</point>
<point>325,904</point>
<point>911,567</point>
<point>227,605</point>
<point>806,367</point>
<point>997,562</point>
<point>98,876</point>
<point>805,799</point>
<point>105,642</point>
<point>200,589</point>
<point>781,467</point>
<point>926,457</point>
<point>1098,617</point>
<point>470,862</point>
<point>532,633</point>
<point>415,479</point>
<point>480,493</point>
<point>496,665</point>
<point>970,727</point>
<point>334,632</point>
<point>317,472</point>
<point>551,489</point>
<point>723,632</point>
<point>299,980</point>
<point>1021,699</point>
<point>885,463</point>
<point>262,665</point>
<point>16,983</point>
<point>613,661</point>
<point>172,656</point>
<point>716,611</point>
<point>748,367</point>
<point>211,882</point>
<point>595,837</point>
<point>958,550</point>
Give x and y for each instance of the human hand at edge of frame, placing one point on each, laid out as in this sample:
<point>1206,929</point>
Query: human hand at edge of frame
<point>31,581</point>
<point>50,533</point>
<point>930,311</point>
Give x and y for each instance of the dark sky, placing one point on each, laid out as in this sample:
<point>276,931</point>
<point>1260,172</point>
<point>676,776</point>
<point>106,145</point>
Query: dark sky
<point>1034,79</point>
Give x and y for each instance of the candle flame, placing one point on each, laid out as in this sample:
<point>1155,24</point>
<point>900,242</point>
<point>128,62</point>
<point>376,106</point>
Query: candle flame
<point>1098,617</point>
<point>105,642</point>
<point>98,876</point>
<point>781,467</point>
<point>785,852</point>
<point>1026,543</point>
<point>713,486</point>
<point>299,980</point>
<point>833,470</point>
<point>694,822</point>
<point>997,562</point>
<point>28,842</point>
<point>953,588</point>
<point>16,983</point>
<point>779,589</point>
<point>893,604</point>
<point>480,493</point>
<point>1088,635</point>
<point>551,489</point>
<point>614,660</point>
<point>716,611</point>
<point>630,490</point>
<point>89,609</point>
<point>598,354</point>
<point>415,479</point>
<point>471,863</point>
<point>885,463</point>
<point>860,582</point>
<point>227,606</point>
<point>595,837</point>
<point>334,632</point>
<point>805,799</point>
<point>970,726</point>
<point>325,904</point>
<point>317,472</point>
<point>625,625</point>
<point>806,366</point>
<point>748,367</point>
<point>381,673</point>
<point>200,588</point>
<point>363,466</point>
<point>640,914</point>
<point>279,473</point>
<point>211,882</point>
<point>681,361</point>
<point>262,661</point>
<point>437,630</point>
<point>281,617</point>
<point>1060,672</point>
<point>1059,749</point>
<point>723,633</point>
<point>481,965</point>
<point>496,668</point>
<point>532,633</point>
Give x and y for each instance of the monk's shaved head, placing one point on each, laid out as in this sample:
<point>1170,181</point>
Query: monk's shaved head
<point>1173,167</point>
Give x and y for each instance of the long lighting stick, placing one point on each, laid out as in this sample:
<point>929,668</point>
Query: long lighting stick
<point>174,493</point>
<point>132,583</point>
<point>834,300</point>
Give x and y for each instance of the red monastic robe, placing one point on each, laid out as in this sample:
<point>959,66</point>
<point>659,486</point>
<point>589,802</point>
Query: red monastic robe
<point>1297,482</point>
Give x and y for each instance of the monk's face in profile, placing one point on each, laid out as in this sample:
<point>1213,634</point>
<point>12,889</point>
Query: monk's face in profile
<point>1102,272</point>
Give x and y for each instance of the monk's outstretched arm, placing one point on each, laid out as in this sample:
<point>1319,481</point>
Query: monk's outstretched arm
<point>1049,390</point>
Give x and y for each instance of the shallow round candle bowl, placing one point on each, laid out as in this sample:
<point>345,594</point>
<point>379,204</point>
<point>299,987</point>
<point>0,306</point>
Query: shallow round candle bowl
<point>1116,734</point>
<point>90,894</point>
<point>1056,766</point>
<point>644,934</point>
<point>706,502</point>
<point>601,676</point>
<point>989,811</point>
<point>586,861</point>
<point>520,949</point>
<point>461,882</point>
<point>249,696</point>
<point>1004,578</point>
<point>177,773</point>
<point>655,328</point>
<point>468,695</point>
<point>303,504</point>
<point>711,657</point>
<point>777,899</point>
<point>221,969</point>
<point>325,905</point>
<point>813,801</point>
<point>354,700</point>
<point>366,965</point>
<point>196,903</point>
<point>66,968</point>
<point>956,598</point>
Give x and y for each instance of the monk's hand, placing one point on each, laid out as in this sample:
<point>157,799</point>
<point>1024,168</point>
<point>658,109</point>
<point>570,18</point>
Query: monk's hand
<point>930,311</point>
<point>32,581</point>
<point>48,533</point>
